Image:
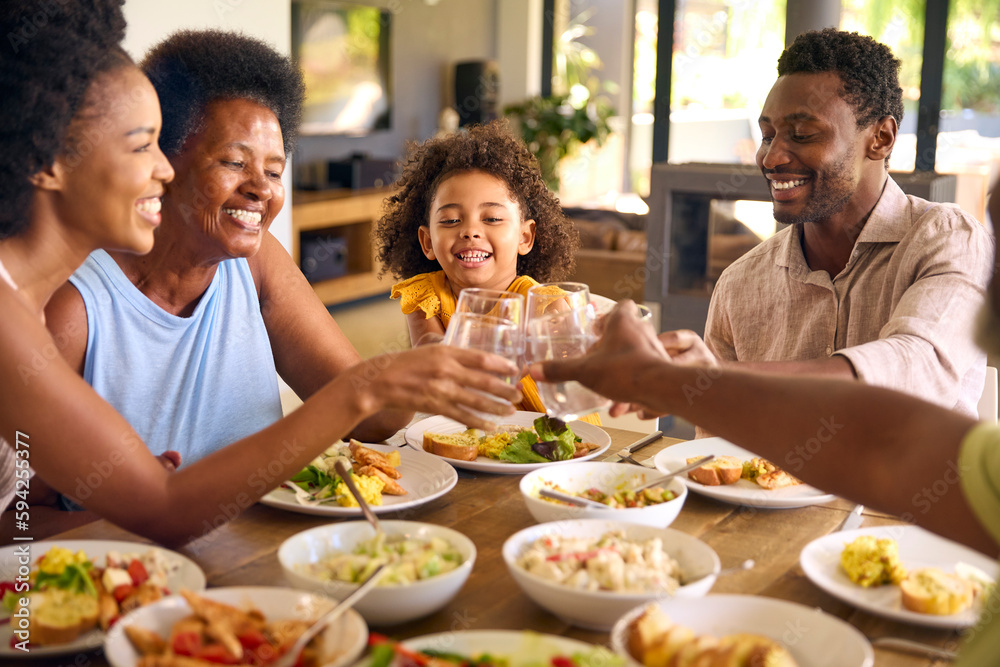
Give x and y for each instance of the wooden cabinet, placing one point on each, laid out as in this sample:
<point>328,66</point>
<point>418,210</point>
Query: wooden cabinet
<point>349,215</point>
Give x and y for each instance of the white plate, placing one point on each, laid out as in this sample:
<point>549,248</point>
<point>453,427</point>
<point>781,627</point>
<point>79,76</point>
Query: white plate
<point>425,477</point>
<point>813,637</point>
<point>188,575</point>
<point>522,647</point>
<point>743,492</point>
<point>918,548</point>
<point>345,638</point>
<point>588,432</point>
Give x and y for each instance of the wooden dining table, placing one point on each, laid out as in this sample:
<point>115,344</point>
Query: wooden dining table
<point>489,508</point>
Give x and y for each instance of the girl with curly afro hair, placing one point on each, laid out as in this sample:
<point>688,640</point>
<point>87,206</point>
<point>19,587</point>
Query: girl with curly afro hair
<point>471,211</point>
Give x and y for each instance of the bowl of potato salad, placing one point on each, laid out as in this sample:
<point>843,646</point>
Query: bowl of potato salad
<point>426,566</point>
<point>589,572</point>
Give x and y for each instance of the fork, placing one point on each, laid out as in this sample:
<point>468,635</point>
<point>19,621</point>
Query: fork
<point>910,646</point>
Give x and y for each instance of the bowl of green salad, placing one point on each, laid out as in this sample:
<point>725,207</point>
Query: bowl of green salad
<point>427,566</point>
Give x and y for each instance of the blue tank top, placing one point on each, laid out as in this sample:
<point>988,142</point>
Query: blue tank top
<point>192,384</point>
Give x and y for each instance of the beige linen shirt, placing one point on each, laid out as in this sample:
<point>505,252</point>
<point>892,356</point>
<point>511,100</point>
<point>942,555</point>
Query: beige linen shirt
<point>901,311</point>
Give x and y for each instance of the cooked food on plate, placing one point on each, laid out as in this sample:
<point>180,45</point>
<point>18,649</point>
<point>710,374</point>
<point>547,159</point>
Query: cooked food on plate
<point>933,591</point>
<point>70,594</point>
<point>870,561</point>
<point>731,469</point>
<point>720,470</point>
<point>655,641</point>
<point>217,633</point>
<point>408,559</point>
<point>374,474</point>
<point>608,563</point>
<point>539,653</point>
<point>548,439</point>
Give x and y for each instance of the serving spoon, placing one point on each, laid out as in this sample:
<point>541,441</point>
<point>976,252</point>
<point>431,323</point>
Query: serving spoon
<point>290,657</point>
<point>345,474</point>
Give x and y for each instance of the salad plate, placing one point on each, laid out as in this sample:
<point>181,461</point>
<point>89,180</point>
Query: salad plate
<point>344,639</point>
<point>743,492</point>
<point>425,477</point>
<point>515,647</point>
<point>812,636</point>
<point>186,575</point>
<point>918,548</point>
<point>587,432</point>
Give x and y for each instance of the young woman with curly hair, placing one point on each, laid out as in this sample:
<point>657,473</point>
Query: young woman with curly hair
<point>471,211</point>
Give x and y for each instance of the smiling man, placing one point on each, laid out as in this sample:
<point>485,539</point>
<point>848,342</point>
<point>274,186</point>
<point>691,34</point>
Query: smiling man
<point>867,282</point>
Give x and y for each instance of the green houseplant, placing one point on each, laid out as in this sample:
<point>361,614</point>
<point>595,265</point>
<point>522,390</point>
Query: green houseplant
<point>555,127</point>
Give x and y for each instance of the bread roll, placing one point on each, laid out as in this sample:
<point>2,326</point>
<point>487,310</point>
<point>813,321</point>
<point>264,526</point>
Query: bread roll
<point>720,470</point>
<point>461,446</point>
<point>931,591</point>
<point>60,616</point>
<point>655,641</point>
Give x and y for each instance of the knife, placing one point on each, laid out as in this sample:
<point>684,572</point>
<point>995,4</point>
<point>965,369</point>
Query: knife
<point>853,519</point>
<point>626,452</point>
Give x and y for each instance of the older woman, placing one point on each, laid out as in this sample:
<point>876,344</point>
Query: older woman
<point>82,170</point>
<point>185,341</point>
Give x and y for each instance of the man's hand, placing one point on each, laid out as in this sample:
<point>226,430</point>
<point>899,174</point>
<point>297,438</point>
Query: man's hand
<point>686,348</point>
<point>612,367</point>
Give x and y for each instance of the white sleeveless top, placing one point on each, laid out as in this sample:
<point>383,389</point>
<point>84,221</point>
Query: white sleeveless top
<point>7,456</point>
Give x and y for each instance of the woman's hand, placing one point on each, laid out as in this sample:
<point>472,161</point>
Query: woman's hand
<point>440,380</point>
<point>612,367</point>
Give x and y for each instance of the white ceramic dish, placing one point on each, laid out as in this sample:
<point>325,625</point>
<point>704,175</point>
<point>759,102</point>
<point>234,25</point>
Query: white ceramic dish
<point>188,575</point>
<point>524,649</point>
<point>743,492</point>
<point>918,548</point>
<point>608,477</point>
<point>383,605</point>
<point>425,477</point>
<point>600,609</point>
<point>813,637</point>
<point>588,432</point>
<point>343,640</point>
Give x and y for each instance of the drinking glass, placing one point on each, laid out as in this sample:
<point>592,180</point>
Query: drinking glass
<point>492,323</point>
<point>556,297</point>
<point>497,303</point>
<point>563,335</point>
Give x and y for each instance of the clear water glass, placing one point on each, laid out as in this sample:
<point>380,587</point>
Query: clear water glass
<point>479,301</point>
<point>489,333</point>
<point>556,297</point>
<point>563,335</point>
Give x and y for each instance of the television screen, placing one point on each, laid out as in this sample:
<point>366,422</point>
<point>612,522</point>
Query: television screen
<point>343,52</point>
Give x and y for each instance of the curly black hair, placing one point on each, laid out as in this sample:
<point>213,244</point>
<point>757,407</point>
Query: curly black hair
<point>493,149</point>
<point>868,69</point>
<point>53,52</point>
<point>192,68</point>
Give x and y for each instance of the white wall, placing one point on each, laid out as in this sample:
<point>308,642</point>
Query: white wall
<point>149,21</point>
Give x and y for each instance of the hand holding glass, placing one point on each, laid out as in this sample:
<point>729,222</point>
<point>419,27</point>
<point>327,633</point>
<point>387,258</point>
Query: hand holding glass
<point>563,335</point>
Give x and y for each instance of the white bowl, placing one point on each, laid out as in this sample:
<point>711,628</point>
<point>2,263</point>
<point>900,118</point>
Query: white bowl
<point>609,477</point>
<point>343,640</point>
<point>383,605</point>
<point>599,610</point>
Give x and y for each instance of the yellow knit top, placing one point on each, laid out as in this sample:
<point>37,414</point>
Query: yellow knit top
<point>430,293</point>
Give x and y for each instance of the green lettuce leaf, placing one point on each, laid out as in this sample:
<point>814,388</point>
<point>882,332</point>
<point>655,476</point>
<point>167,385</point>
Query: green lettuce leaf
<point>519,450</point>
